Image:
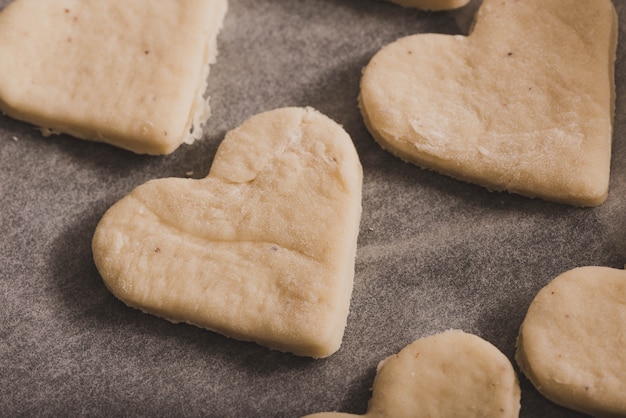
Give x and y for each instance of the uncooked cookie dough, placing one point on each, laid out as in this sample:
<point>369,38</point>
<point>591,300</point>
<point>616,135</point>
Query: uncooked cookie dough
<point>572,342</point>
<point>131,73</point>
<point>432,4</point>
<point>262,249</point>
<point>524,103</point>
<point>452,374</point>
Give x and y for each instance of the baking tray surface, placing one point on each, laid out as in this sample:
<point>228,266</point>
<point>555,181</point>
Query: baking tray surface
<point>433,253</point>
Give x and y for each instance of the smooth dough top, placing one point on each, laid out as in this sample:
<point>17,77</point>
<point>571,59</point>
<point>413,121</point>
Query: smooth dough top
<point>432,4</point>
<point>452,374</point>
<point>131,73</point>
<point>262,249</point>
<point>572,343</point>
<point>524,103</point>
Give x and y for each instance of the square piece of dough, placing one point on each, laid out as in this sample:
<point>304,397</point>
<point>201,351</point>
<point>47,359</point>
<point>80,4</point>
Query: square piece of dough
<point>131,73</point>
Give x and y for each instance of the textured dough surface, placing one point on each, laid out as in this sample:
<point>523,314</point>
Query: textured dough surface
<point>452,374</point>
<point>572,342</point>
<point>262,249</point>
<point>131,73</point>
<point>432,4</point>
<point>524,103</point>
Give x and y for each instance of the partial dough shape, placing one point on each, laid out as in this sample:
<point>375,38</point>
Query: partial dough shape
<point>452,374</point>
<point>262,249</point>
<point>524,103</point>
<point>572,343</point>
<point>432,4</point>
<point>131,73</point>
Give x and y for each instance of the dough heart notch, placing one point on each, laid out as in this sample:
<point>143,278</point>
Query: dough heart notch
<point>523,104</point>
<point>262,249</point>
<point>452,374</point>
<point>572,343</point>
<point>131,73</point>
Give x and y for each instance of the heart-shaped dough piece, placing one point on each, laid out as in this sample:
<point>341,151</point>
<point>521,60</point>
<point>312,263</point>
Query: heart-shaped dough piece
<point>262,249</point>
<point>131,73</point>
<point>572,343</point>
<point>524,103</point>
<point>432,4</point>
<point>452,374</point>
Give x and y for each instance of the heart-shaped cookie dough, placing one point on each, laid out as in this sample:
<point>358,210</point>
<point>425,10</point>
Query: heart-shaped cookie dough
<point>432,4</point>
<point>572,343</point>
<point>262,249</point>
<point>452,374</point>
<point>524,103</point>
<point>131,73</point>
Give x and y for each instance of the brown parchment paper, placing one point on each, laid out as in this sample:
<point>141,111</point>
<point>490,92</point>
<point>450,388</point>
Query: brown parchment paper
<point>433,253</point>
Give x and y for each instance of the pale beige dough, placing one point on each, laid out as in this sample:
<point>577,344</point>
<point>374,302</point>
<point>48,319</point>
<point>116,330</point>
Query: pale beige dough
<point>131,73</point>
<point>572,343</point>
<point>452,374</point>
<point>262,249</point>
<point>524,103</point>
<point>432,4</point>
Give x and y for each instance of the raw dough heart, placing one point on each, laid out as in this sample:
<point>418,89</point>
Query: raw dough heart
<point>572,343</point>
<point>524,103</point>
<point>432,4</point>
<point>452,374</point>
<point>131,73</point>
<point>262,249</point>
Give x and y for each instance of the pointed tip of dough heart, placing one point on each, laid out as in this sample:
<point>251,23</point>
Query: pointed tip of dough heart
<point>262,249</point>
<point>523,104</point>
<point>128,73</point>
